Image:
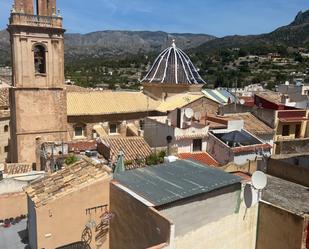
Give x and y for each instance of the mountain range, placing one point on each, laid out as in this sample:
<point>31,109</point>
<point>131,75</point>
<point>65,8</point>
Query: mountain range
<point>294,34</point>
<point>115,43</point>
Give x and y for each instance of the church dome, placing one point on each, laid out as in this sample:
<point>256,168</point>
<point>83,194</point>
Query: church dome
<point>173,66</point>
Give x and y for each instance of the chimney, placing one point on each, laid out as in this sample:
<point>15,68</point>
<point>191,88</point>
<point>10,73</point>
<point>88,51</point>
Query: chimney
<point>284,99</point>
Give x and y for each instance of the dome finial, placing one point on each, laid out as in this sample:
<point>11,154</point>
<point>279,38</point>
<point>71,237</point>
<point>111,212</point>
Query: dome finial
<point>174,43</point>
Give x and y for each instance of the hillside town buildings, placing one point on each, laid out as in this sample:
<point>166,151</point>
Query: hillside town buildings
<point>170,166</point>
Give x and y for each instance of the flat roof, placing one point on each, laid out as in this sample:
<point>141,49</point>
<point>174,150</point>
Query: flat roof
<point>14,236</point>
<point>170,182</point>
<point>287,195</point>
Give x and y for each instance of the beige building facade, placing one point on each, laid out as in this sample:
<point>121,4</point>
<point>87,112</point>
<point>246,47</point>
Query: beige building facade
<point>37,98</point>
<point>70,207</point>
<point>4,135</point>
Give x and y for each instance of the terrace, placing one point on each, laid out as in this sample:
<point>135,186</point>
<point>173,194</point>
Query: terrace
<point>34,20</point>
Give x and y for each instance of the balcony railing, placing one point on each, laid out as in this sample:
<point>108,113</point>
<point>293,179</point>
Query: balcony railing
<point>33,20</point>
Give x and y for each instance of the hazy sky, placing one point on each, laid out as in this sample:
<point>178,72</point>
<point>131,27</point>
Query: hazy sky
<point>216,17</point>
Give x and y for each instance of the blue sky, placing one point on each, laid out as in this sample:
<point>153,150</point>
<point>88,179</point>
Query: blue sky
<point>216,17</point>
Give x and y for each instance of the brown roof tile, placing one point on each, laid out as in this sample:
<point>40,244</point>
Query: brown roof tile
<point>202,157</point>
<point>251,123</point>
<point>66,180</point>
<point>133,147</point>
<point>82,145</point>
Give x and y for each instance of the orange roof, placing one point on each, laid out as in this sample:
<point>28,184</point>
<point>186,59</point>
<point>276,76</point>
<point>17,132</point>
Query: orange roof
<point>202,157</point>
<point>246,177</point>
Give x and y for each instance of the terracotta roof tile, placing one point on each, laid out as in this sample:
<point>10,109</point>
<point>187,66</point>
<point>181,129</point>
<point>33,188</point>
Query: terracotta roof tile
<point>82,145</point>
<point>107,102</point>
<point>178,101</point>
<point>251,123</point>
<point>270,96</point>
<point>202,157</point>
<point>66,180</point>
<point>134,148</point>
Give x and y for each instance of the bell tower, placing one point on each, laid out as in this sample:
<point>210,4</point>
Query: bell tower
<point>38,97</point>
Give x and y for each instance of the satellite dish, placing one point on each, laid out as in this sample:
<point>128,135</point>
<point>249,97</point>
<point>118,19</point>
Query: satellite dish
<point>251,196</point>
<point>242,101</point>
<point>197,115</point>
<point>189,113</point>
<point>259,180</point>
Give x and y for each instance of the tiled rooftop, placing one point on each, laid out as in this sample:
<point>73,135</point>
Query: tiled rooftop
<point>178,101</point>
<point>201,157</point>
<point>252,123</point>
<point>66,180</point>
<point>134,148</point>
<point>82,145</point>
<point>270,96</point>
<point>107,102</point>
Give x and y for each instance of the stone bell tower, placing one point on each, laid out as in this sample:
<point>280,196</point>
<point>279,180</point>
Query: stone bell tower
<point>38,97</point>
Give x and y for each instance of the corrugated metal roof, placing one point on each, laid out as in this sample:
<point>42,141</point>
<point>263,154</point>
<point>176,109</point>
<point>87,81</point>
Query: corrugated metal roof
<point>178,101</point>
<point>101,102</point>
<point>219,96</point>
<point>166,183</point>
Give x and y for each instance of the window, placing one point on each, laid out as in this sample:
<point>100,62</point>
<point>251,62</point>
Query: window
<point>141,124</point>
<point>112,128</point>
<point>94,134</point>
<point>78,131</point>
<point>197,145</point>
<point>6,149</point>
<point>285,130</point>
<point>298,131</point>
<point>6,128</point>
<point>39,59</point>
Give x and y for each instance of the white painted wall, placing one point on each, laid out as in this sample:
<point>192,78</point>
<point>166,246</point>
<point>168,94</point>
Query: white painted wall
<point>218,222</point>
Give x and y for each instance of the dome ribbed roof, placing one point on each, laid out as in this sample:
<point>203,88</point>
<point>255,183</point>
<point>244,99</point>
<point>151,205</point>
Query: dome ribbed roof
<point>173,66</point>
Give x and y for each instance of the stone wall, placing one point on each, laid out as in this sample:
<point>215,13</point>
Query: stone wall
<point>295,146</point>
<point>289,172</point>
